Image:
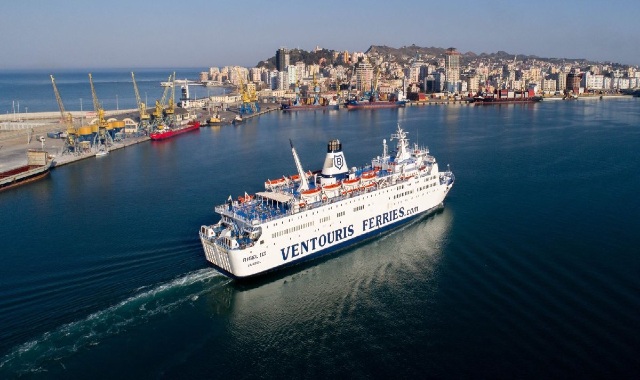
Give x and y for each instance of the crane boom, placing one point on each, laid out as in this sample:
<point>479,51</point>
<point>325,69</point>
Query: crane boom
<point>96,104</point>
<point>157,113</point>
<point>142,107</point>
<point>169,110</point>
<point>66,117</point>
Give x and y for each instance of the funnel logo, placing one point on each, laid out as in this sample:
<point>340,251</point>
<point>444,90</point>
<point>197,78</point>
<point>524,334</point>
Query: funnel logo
<point>338,161</point>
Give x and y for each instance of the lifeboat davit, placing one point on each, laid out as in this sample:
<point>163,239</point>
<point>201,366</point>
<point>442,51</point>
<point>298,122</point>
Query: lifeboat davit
<point>310,194</point>
<point>275,182</point>
<point>333,186</point>
<point>369,175</point>
<point>296,177</point>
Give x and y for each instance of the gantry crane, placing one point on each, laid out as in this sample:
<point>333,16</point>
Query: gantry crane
<point>67,119</point>
<point>102,137</point>
<point>142,107</point>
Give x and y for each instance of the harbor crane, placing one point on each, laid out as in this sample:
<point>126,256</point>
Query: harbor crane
<point>142,107</point>
<point>169,110</point>
<point>67,119</point>
<point>102,137</point>
<point>158,115</point>
<point>247,106</point>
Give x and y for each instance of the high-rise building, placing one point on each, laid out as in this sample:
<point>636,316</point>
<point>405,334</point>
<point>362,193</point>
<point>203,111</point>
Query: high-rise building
<point>452,69</point>
<point>573,81</point>
<point>364,75</point>
<point>282,59</point>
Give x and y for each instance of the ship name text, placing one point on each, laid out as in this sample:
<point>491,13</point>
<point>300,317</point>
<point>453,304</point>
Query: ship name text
<point>387,217</point>
<point>314,243</point>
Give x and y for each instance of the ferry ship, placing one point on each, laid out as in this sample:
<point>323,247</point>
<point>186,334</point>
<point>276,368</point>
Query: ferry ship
<point>310,214</point>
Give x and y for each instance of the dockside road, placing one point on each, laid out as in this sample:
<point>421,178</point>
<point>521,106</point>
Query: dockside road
<point>23,132</point>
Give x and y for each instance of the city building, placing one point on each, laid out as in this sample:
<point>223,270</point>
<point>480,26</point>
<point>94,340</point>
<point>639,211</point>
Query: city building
<point>282,59</point>
<point>364,75</point>
<point>452,69</point>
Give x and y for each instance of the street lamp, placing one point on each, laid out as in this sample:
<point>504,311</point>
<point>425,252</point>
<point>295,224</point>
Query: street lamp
<point>80,104</point>
<point>117,102</point>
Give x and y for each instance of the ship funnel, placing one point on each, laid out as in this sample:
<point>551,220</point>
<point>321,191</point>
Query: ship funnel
<point>335,166</point>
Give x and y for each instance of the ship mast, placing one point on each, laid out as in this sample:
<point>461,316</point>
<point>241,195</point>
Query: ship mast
<point>304,184</point>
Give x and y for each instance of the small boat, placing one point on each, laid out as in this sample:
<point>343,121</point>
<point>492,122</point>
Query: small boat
<point>237,120</point>
<point>102,153</point>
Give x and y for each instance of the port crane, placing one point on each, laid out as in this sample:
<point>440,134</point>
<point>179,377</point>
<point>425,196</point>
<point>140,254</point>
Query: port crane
<point>249,101</point>
<point>142,107</point>
<point>158,114</point>
<point>102,137</point>
<point>169,110</point>
<point>67,119</point>
<point>374,84</point>
<point>316,91</point>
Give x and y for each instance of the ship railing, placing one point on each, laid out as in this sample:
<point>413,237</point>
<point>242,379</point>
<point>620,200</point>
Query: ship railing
<point>251,215</point>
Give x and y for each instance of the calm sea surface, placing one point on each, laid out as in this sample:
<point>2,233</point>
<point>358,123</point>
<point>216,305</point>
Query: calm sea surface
<point>531,270</point>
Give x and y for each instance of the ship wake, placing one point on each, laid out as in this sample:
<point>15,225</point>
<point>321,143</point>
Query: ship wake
<point>36,355</point>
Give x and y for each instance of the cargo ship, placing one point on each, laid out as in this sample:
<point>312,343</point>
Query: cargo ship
<point>310,214</point>
<point>38,164</point>
<point>358,104</point>
<point>372,101</point>
<point>506,97</point>
<point>322,104</point>
<point>168,132</point>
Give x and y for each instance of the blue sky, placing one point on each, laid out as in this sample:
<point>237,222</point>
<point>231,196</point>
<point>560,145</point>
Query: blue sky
<point>201,33</point>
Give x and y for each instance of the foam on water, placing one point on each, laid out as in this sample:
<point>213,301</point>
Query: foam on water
<point>31,357</point>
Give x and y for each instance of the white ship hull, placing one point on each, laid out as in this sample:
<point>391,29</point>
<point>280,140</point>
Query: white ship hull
<point>311,229</point>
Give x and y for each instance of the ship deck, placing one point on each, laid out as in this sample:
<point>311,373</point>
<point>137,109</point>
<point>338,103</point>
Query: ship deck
<point>269,205</point>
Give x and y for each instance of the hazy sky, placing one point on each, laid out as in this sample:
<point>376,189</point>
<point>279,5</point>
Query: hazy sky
<point>202,33</point>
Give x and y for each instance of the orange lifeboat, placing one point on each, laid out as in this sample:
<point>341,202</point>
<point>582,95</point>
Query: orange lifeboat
<point>311,192</point>
<point>275,182</point>
<point>296,177</point>
<point>351,182</point>
<point>369,175</point>
<point>246,198</point>
<point>331,187</point>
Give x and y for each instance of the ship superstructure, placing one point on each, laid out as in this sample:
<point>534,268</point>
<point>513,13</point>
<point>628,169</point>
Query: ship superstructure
<point>309,214</point>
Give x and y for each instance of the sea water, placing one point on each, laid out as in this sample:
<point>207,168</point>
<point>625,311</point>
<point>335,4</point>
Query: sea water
<point>529,271</point>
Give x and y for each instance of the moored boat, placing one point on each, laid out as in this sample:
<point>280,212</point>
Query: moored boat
<point>168,132</point>
<point>38,164</point>
<point>237,120</point>
<point>357,104</point>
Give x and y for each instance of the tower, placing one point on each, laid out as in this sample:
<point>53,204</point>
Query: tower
<point>452,69</point>
<point>364,75</point>
<point>282,59</point>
